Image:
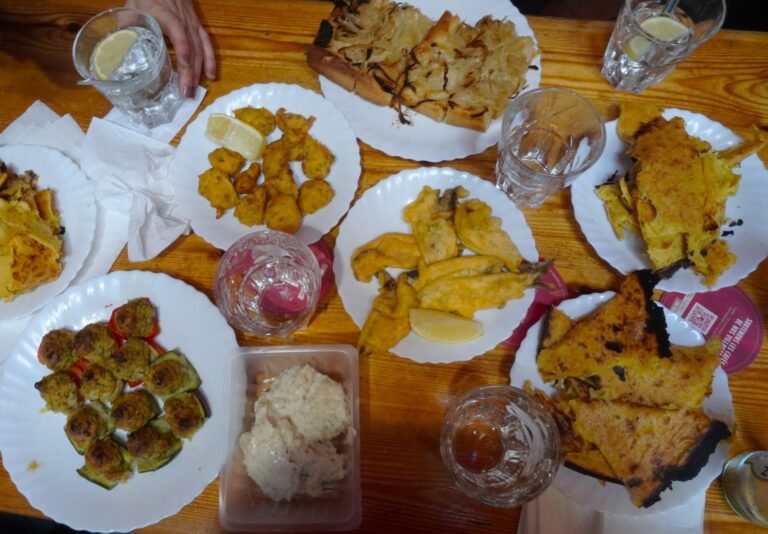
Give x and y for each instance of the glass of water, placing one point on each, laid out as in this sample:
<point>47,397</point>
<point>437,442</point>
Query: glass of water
<point>122,53</point>
<point>268,284</point>
<point>651,37</point>
<point>548,136</point>
<point>500,445</point>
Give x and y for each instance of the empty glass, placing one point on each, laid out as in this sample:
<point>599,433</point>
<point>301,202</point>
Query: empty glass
<point>122,53</point>
<point>268,284</point>
<point>500,445</point>
<point>651,37</point>
<point>548,136</point>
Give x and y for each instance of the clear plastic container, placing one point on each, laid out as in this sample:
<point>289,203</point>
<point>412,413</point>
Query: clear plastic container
<point>242,506</point>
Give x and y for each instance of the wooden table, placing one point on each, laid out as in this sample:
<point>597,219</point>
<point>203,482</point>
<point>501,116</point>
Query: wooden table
<point>404,485</point>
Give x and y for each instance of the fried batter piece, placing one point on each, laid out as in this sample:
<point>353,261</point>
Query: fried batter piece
<point>392,249</point>
<point>313,195</point>
<point>260,118</point>
<point>482,233</point>
<point>431,220</point>
<point>283,214</point>
<point>461,266</point>
<point>245,182</point>
<point>293,125</point>
<point>217,188</point>
<point>388,321</point>
<point>281,184</point>
<point>468,294</point>
<point>226,160</point>
<point>317,160</point>
<point>275,160</point>
<point>249,208</point>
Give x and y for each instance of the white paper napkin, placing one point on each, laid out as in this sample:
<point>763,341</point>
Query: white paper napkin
<point>130,173</point>
<point>554,513</point>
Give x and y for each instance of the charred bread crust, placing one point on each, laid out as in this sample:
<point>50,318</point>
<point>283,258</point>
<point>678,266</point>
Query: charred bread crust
<point>338,70</point>
<point>656,322</point>
<point>697,458</point>
<point>586,471</point>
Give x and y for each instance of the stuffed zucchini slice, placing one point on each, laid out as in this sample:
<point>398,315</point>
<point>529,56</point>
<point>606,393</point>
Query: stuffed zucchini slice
<point>171,374</point>
<point>94,342</point>
<point>57,349</point>
<point>87,425</point>
<point>107,463</point>
<point>99,384</point>
<point>131,361</point>
<point>185,413</point>
<point>134,409</point>
<point>60,392</point>
<point>153,445</point>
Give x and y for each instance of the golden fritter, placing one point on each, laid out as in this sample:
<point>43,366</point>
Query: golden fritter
<point>317,159</point>
<point>283,214</point>
<point>468,294</point>
<point>281,184</point>
<point>388,321</point>
<point>275,160</point>
<point>245,182</point>
<point>217,188</point>
<point>460,266</point>
<point>249,209</point>
<point>313,195</point>
<point>226,160</point>
<point>432,227</point>
<point>293,125</point>
<point>481,233</point>
<point>392,249</point>
<point>260,118</point>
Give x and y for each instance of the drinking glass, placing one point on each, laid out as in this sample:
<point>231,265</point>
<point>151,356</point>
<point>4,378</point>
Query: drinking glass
<point>548,136</point>
<point>745,485</point>
<point>268,284</point>
<point>651,37</point>
<point>122,53</point>
<point>500,445</point>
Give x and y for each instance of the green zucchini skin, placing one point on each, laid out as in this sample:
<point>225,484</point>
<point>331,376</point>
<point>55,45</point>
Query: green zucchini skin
<point>170,375</point>
<point>88,424</point>
<point>107,464</point>
<point>153,445</point>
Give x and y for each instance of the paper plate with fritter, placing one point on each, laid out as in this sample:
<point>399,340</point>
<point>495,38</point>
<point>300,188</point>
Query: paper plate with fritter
<point>743,231</point>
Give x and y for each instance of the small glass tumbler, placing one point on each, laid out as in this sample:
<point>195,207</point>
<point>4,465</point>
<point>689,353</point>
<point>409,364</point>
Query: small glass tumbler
<point>268,284</point>
<point>651,37</point>
<point>745,485</point>
<point>500,445</point>
<point>548,136</point>
<point>122,53</point>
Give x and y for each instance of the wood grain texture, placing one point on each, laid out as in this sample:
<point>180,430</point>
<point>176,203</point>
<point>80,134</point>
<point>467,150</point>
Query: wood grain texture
<point>405,488</point>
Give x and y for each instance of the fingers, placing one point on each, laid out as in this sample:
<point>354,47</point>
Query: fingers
<point>185,54</point>
<point>209,56</point>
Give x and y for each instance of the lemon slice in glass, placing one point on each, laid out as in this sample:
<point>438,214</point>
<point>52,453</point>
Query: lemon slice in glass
<point>443,327</point>
<point>662,28</point>
<point>235,135</point>
<point>111,51</point>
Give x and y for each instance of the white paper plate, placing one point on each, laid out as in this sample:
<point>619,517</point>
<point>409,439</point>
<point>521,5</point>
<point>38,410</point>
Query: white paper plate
<point>426,139</point>
<point>330,128</point>
<point>614,498</point>
<point>380,210</point>
<point>73,197</point>
<point>749,241</point>
<point>190,323</point>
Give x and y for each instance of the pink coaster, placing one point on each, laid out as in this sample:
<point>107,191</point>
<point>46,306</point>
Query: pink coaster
<point>552,291</point>
<point>727,313</point>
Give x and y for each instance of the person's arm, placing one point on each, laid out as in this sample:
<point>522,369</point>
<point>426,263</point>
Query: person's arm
<point>194,51</point>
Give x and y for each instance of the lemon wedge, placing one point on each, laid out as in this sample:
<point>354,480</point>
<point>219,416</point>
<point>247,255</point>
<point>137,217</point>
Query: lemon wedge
<point>111,51</point>
<point>662,28</point>
<point>234,134</point>
<point>443,327</point>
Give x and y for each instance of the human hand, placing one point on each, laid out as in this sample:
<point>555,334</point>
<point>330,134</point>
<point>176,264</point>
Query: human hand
<point>178,20</point>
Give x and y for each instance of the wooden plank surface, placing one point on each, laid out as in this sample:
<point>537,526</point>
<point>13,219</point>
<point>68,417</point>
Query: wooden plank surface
<point>405,488</point>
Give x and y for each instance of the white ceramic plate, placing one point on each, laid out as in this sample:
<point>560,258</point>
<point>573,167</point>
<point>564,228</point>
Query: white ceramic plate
<point>614,498</point>
<point>73,197</point>
<point>190,323</point>
<point>426,139</point>
<point>380,210</point>
<point>330,128</point>
<point>749,241</point>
